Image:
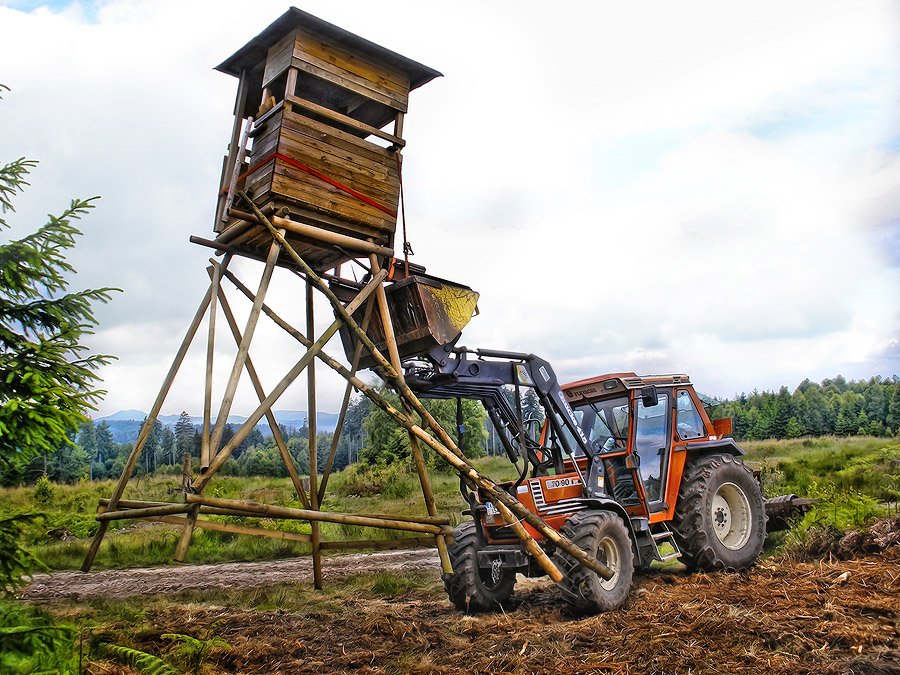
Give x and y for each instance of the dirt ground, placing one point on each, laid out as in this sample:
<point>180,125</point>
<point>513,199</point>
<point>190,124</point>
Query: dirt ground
<point>830,617</point>
<point>178,579</point>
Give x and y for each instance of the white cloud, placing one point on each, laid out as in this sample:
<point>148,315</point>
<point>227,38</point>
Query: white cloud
<point>685,187</point>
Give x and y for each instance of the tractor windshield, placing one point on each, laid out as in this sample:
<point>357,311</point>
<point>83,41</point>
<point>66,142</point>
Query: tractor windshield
<point>601,420</point>
<point>604,419</point>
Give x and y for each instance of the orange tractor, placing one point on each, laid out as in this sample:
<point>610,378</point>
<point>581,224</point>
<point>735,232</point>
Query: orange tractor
<point>631,469</point>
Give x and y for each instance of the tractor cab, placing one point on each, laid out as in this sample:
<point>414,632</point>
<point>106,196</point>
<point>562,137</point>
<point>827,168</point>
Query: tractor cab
<point>639,429</point>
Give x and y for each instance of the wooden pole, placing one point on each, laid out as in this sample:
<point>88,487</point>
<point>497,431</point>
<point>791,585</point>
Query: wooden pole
<point>345,404</point>
<point>280,388</point>
<point>240,102</point>
<point>380,544</point>
<point>145,430</point>
<point>236,169</point>
<point>270,416</point>
<point>446,443</point>
<point>210,349</point>
<point>241,356</point>
<point>132,505</point>
<point>464,468</point>
<point>126,514</point>
<point>443,445</point>
<point>232,528</point>
<point>313,450</point>
<point>317,233</point>
<point>418,457</point>
<point>184,539</point>
<point>312,515</point>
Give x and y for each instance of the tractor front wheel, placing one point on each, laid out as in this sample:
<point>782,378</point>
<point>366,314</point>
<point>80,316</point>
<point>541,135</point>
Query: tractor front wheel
<point>471,588</point>
<point>603,535</point>
<point>720,516</point>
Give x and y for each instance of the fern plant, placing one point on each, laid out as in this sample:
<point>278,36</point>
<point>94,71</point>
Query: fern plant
<point>146,664</point>
<point>195,651</point>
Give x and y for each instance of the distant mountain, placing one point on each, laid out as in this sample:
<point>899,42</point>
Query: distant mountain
<point>124,415</point>
<point>125,425</point>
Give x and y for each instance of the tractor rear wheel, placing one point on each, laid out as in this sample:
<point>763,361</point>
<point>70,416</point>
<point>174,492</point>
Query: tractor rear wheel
<point>720,516</point>
<point>471,588</point>
<point>603,535</point>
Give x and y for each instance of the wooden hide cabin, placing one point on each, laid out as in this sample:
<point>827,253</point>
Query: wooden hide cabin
<point>316,141</point>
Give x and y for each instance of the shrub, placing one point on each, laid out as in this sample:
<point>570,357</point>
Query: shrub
<point>43,490</point>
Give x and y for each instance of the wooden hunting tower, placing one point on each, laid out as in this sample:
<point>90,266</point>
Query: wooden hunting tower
<point>313,102</point>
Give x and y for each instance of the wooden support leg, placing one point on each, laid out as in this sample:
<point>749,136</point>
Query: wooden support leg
<point>418,457</point>
<point>210,349</point>
<point>313,453</point>
<point>354,364</point>
<point>443,445</point>
<point>313,448</point>
<point>241,356</point>
<point>186,531</point>
<point>270,417</point>
<point>145,430</point>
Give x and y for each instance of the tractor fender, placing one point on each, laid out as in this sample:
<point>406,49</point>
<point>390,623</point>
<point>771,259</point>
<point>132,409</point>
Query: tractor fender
<point>720,446</point>
<point>602,504</point>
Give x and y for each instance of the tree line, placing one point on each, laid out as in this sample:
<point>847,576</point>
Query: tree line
<point>88,451</point>
<point>834,407</point>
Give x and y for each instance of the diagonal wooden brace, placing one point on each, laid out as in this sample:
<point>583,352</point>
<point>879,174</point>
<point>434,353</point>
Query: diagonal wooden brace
<point>145,430</point>
<point>280,388</point>
<point>260,393</point>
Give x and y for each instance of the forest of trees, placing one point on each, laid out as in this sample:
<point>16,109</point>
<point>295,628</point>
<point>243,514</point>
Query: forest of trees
<point>90,453</point>
<point>834,407</point>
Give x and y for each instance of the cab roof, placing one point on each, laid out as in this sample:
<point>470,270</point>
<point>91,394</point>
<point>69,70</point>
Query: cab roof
<point>612,383</point>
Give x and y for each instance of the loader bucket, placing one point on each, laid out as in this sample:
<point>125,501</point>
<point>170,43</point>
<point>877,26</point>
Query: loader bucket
<point>426,312</point>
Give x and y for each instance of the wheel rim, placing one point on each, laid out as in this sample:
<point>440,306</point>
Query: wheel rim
<point>731,516</point>
<point>608,552</point>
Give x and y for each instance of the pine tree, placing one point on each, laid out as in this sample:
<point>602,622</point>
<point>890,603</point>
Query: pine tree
<point>167,449</point>
<point>47,378</point>
<point>47,381</point>
<point>106,446</point>
<point>184,435</point>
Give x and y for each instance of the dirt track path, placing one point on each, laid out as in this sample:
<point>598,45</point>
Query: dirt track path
<point>177,578</point>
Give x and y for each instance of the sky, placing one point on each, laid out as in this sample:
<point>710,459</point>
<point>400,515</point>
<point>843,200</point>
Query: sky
<point>701,187</point>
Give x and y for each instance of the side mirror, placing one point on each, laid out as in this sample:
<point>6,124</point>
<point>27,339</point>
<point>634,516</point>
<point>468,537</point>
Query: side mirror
<point>649,397</point>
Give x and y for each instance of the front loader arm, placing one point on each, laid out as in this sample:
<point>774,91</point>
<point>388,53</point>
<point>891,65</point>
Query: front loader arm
<point>452,372</point>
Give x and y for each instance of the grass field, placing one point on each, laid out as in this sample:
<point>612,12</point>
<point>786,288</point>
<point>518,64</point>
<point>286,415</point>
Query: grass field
<point>62,537</point>
<point>855,478</point>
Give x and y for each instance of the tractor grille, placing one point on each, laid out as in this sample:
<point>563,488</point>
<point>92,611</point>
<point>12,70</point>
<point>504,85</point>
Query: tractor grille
<point>570,505</point>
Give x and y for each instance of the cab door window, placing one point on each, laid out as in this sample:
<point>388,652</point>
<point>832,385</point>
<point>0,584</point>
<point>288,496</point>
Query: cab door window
<point>651,441</point>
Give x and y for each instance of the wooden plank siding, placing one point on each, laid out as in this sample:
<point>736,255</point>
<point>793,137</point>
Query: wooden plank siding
<point>355,163</point>
<point>368,68</point>
<point>345,122</point>
<point>279,59</point>
<point>334,64</point>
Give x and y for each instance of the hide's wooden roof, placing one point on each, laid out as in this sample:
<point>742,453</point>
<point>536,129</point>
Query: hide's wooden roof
<point>254,52</point>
